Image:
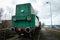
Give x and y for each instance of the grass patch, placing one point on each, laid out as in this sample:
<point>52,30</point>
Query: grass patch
<point>54,33</point>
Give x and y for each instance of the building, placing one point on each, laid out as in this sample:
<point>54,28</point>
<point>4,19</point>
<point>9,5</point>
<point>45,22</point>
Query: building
<point>5,23</point>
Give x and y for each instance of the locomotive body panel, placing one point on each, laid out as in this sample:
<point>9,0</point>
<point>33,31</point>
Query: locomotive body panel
<point>22,22</point>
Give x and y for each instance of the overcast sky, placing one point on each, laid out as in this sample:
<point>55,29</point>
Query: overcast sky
<point>39,5</point>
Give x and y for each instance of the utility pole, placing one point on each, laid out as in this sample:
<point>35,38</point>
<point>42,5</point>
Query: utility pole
<point>50,11</point>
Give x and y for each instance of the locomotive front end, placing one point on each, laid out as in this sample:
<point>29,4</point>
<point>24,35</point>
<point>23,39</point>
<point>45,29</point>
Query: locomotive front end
<point>25,21</point>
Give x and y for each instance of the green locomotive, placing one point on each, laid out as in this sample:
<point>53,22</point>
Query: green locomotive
<point>25,21</point>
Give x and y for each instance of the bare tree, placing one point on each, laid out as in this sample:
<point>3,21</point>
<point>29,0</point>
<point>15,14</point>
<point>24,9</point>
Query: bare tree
<point>1,11</point>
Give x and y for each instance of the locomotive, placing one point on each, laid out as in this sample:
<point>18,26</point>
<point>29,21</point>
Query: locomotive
<point>25,22</point>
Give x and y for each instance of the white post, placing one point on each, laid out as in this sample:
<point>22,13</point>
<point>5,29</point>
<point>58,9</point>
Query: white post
<point>50,11</point>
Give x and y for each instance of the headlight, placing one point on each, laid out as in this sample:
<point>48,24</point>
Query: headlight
<point>22,10</point>
<point>28,18</point>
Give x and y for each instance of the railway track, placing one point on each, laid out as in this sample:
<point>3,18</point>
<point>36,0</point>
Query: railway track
<point>16,37</point>
<point>9,35</point>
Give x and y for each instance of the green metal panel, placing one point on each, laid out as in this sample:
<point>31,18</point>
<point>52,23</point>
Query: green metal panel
<point>24,23</point>
<point>32,20</point>
<point>13,23</point>
<point>26,9</point>
<point>21,17</point>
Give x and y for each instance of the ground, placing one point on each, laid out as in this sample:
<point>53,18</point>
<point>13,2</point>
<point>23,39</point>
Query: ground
<point>46,35</point>
<point>42,35</point>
